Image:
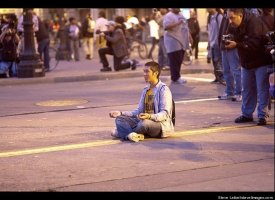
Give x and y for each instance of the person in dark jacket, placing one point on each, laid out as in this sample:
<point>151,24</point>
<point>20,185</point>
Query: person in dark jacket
<point>194,28</point>
<point>116,46</point>
<point>43,40</point>
<point>255,62</point>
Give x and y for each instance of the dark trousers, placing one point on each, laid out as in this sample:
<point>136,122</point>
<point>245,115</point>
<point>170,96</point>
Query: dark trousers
<point>175,60</point>
<point>43,49</point>
<point>118,65</point>
<point>195,45</point>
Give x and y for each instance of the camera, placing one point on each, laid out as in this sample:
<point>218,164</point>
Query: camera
<point>226,38</point>
<point>154,10</point>
<point>269,41</point>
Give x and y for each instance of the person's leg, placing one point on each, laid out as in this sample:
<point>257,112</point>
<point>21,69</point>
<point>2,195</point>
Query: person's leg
<point>125,125</point>
<point>102,55</point>
<point>249,92</point>
<point>86,47</point>
<point>76,50</point>
<point>228,77</point>
<point>175,61</point>
<point>263,91</point>
<point>118,65</point>
<point>235,67</point>
<point>149,128</point>
<point>91,47</point>
<point>162,55</point>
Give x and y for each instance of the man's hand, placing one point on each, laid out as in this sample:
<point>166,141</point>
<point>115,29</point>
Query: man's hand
<point>115,114</point>
<point>230,44</point>
<point>144,116</point>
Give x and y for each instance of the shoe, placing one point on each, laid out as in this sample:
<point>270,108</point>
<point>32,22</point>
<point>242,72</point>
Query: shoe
<point>180,81</point>
<point>261,122</point>
<point>226,97</point>
<point>165,68</point>
<point>208,60</point>
<point>134,65</point>
<point>114,133</point>
<point>88,57</point>
<point>222,82</point>
<point>215,81</point>
<point>135,137</point>
<point>237,98</point>
<point>243,119</point>
<point>106,69</point>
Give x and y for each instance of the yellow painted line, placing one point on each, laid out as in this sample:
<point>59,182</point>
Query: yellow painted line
<point>58,148</point>
<point>211,130</point>
<point>110,142</point>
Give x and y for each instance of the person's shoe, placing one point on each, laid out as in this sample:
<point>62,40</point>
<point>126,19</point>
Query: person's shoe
<point>221,81</point>
<point>208,60</point>
<point>106,69</point>
<point>180,81</point>
<point>88,57</point>
<point>165,68</point>
<point>134,65</point>
<point>135,137</point>
<point>243,119</point>
<point>237,98</point>
<point>114,133</point>
<point>261,122</point>
<point>215,81</point>
<point>226,97</point>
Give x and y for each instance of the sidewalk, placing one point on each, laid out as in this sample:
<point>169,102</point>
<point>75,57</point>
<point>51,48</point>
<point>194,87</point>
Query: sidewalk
<point>89,70</point>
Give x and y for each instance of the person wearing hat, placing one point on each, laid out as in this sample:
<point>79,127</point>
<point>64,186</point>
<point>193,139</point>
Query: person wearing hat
<point>116,46</point>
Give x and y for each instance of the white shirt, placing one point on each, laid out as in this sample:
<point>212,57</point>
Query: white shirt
<point>100,24</point>
<point>154,29</point>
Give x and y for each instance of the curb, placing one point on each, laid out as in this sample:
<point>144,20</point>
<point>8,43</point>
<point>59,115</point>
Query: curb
<point>90,77</point>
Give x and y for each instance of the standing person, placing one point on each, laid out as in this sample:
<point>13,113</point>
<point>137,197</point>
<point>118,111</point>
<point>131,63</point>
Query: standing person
<point>213,30</point>
<point>255,62</point>
<point>116,46</point>
<point>8,50</point>
<point>100,26</point>
<point>154,34</point>
<point>153,116</point>
<point>176,41</point>
<point>194,28</point>
<point>88,26</point>
<point>43,39</point>
<point>230,63</point>
<point>162,54</point>
<point>73,31</point>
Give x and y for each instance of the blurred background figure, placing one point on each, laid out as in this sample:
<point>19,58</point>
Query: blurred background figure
<point>88,26</point>
<point>194,29</point>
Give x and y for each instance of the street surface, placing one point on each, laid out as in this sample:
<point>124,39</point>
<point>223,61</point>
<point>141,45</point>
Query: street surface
<point>56,137</point>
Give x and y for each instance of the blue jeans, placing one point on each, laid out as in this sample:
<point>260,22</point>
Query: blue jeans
<point>217,62</point>
<point>232,72</point>
<point>43,49</point>
<point>255,89</point>
<point>126,125</point>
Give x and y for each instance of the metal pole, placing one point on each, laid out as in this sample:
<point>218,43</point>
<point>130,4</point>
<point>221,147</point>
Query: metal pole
<point>30,64</point>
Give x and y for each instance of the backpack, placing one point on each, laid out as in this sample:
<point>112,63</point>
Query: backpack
<point>173,109</point>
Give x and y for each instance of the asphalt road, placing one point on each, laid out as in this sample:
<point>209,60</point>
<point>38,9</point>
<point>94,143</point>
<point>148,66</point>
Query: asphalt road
<point>56,137</point>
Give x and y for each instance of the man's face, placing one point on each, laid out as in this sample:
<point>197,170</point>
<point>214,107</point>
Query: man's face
<point>176,10</point>
<point>148,74</point>
<point>235,19</point>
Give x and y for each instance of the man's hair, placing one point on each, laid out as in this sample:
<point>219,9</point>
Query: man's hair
<point>154,66</point>
<point>237,11</point>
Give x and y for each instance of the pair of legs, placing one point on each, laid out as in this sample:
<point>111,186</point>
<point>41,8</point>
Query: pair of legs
<point>118,65</point>
<point>126,125</point>
<point>88,46</point>
<point>175,60</point>
<point>43,49</point>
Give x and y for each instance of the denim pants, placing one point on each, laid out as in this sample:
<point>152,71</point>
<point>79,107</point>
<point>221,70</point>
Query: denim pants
<point>126,125</point>
<point>232,72</point>
<point>162,54</point>
<point>217,62</point>
<point>43,49</point>
<point>255,89</point>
